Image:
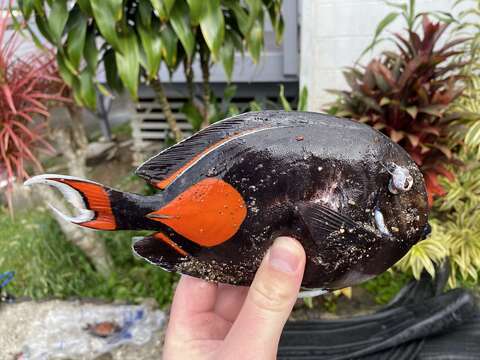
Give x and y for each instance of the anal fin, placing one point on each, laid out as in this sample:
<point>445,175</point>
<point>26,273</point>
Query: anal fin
<point>159,249</point>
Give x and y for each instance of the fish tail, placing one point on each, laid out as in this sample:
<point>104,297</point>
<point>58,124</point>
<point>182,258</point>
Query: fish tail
<point>96,206</point>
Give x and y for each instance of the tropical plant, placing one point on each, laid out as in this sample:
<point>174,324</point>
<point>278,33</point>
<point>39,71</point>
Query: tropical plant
<point>467,107</point>
<point>406,92</point>
<point>455,229</point>
<point>299,104</point>
<point>131,39</point>
<point>28,84</point>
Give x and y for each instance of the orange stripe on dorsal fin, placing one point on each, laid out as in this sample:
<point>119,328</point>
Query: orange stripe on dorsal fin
<point>207,213</point>
<point>163,168</point>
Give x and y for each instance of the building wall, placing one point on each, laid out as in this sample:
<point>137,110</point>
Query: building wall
<point>333,35</point>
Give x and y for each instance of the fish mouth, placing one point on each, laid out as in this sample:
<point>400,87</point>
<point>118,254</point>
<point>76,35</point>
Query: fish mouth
<point>73,196</point>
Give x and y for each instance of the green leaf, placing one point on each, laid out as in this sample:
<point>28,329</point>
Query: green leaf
<point>128,63</point>
<point>111,71</point>
<point>255,106</point>
<point>255,13</point>
<point>57,19</point>
<point>303,99</point>
<point>197,8</point>
<point>77,22</point>
<point>181,24</point>
<point>145,10</point>
<point>227,55</point>
<point>275,13</point>
<point>163,8</point>
<point>283,99</point>
<point>85,6</point>
<point>240,14</point>
<point>229,93</point>
<point>213,27</point>
<point>169,47</point>
<point>42,25</point>
<point>168,4</point>
<point>387,20</point>
<point>193,115</point>
<point>152,46</point>
<point>88,93</point>
<point>26,6</point>
<point>255,42</point>
<point>91,52</point>
<point>472,137</point>
<point>106,14</point>
<point>65,72</point>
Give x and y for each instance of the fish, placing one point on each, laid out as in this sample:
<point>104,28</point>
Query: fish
<point>354,199</point>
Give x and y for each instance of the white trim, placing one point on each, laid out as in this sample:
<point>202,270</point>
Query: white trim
<point>72,195</point>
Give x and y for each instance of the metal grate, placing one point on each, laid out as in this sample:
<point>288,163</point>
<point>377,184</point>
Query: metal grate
<point>150,129</point>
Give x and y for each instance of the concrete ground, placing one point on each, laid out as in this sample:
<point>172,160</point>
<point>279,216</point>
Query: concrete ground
<point>29,329</point>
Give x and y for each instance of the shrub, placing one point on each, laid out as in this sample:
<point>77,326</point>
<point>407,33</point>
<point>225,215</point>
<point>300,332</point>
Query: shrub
<point>405,93</point>
<point>27,85</point>
<point>47,266</point>
<point>456,227</point>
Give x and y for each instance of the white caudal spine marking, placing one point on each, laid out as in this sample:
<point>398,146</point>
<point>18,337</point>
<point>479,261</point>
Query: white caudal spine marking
<point>73,196</point>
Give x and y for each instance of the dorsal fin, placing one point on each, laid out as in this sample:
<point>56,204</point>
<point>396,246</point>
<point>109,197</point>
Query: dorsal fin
<point>163,168</point>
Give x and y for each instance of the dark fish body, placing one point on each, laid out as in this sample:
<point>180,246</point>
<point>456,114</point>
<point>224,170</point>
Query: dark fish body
<point>227,192</point>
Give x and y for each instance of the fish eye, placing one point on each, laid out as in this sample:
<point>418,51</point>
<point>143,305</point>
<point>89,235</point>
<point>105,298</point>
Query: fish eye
<point>400,181</point>
<point>408,183</point>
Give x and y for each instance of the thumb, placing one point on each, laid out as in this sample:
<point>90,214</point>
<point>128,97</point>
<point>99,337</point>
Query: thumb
<point>256,331</point>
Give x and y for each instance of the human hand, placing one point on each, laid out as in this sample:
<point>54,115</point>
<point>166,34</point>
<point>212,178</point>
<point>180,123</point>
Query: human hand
<point>210,321</point>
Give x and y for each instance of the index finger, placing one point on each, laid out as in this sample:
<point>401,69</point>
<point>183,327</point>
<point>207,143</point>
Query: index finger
<point>193,296</point>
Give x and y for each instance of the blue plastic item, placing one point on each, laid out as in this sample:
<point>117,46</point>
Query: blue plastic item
<point>5,278</point>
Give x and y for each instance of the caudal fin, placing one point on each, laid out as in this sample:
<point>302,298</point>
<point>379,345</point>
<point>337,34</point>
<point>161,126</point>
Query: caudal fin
<point>91,200</point>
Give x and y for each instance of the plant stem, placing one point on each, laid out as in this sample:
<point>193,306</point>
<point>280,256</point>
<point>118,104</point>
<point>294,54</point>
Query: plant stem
<point>205,65</point>
<point>157,87</point>
<point>187,68</point>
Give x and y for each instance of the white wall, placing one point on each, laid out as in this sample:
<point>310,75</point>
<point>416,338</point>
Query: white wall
<point>333,35</point>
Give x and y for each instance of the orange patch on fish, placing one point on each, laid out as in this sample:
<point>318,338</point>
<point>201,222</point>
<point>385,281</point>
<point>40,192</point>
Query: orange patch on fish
<point>207,213</point>
<point>98,201</point>
<point>170,243</point>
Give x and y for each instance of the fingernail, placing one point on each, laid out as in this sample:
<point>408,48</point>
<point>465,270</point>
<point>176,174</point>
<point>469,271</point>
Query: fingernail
<point>284,255</point>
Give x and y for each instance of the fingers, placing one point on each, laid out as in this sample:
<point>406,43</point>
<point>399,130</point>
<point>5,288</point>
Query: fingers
<point>193,296</point>
<point>193,301</point>
<point>257,330</point>
<point>230,300</point>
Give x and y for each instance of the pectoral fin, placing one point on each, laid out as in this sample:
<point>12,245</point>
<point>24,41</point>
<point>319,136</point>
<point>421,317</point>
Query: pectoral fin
<point>324,223</point>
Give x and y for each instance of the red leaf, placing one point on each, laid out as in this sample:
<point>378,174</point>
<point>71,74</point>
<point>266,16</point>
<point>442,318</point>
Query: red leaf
<point>8,97</point>
<point>433,187</point>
